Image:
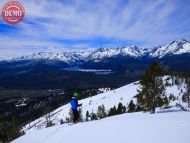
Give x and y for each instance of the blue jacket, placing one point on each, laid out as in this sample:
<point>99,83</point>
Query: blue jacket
<point>74,103</point>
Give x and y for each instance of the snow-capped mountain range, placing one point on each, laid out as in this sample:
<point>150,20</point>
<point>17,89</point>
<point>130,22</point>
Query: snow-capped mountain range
<point>67,57</point>
<point>97,55</point>
<point>174,48</point>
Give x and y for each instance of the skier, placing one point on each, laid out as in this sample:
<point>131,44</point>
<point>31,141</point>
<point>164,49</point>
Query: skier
<point>74,107</point>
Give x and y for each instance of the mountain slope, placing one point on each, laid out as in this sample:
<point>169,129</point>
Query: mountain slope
<point>131,51</point>
<point>134,128</point>
<point>109,99</point>
<point>174,48</point>
<point>67,57</point>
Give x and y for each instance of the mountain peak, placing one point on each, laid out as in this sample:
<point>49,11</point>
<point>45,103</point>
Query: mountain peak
<point>132,51</point>
<point>174,48</point>
<point>180,41</point>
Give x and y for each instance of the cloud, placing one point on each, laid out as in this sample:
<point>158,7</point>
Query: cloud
<point>81,24</point>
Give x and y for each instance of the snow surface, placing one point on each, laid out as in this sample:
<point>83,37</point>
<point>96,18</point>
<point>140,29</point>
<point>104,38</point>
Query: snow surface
<point>109,99</point>
<point>166,126</point>
<point>129,127</point>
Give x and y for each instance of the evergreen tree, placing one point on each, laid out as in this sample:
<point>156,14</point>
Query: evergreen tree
<point>112,111</point>
<point>184,97</point>
<point>131,107</point>
<point>80,114</point>
<point>12,131</point>
<point>138,108</point>
<point>152,87</point>
<point>188,91</point>
<point>121,108</point>
<point>87,115</point>
<point>94,116</point>
<point>160,101</point>
<point>67,119</point>
<point>71,116</point>
<point>48,116</point>
<point>124,109</point>
<point>171,97</point>
<point>101,113</point>
<point>3,135</point>
<point>166,101</point>
<point>61,121</point>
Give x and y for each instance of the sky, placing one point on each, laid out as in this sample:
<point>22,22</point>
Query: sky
<point>81,25</point>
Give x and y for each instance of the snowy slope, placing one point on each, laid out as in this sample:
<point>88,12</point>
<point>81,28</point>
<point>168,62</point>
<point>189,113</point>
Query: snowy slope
<point>132,128</point>
<point>135,51</point>
<point>108,99</point>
